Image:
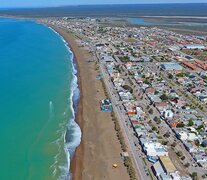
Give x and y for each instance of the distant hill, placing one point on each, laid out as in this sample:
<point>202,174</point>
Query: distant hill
<point>195,9</point>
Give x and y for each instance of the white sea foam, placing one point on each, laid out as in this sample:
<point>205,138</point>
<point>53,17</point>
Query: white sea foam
<point>75,131</point>
<point>51,111</point>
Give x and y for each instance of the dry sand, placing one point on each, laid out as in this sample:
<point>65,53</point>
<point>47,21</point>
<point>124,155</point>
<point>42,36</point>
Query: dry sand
<point>100,147</point>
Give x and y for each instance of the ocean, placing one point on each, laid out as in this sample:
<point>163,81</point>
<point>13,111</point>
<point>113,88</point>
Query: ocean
<point>39,94</point>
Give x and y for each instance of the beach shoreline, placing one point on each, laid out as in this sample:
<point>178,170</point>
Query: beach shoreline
<point>95,155</point>
<point>76,163</point>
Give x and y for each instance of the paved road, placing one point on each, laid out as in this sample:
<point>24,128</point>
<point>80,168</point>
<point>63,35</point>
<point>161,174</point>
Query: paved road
<point>128,133</point>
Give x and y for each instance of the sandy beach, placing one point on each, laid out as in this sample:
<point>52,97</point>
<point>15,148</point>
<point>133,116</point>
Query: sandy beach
<point>99,147</point>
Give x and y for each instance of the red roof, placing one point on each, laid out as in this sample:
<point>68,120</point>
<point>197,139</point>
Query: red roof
<point>150,90</point>
<point>174,124</point>
<point>136,123</point>
<point>201,64</point>
<point>189,65</point>
<point>131,112</point>
<point>160,104</point>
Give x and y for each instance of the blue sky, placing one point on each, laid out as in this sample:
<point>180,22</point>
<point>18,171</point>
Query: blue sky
<point>37,3</point>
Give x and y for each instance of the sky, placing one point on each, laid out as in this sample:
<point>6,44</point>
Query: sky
<point>47,3</point>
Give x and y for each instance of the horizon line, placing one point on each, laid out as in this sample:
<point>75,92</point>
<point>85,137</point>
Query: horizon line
<point>107,4</point>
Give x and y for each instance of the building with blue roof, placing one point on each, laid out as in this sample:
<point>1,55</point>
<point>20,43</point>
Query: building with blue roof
<point>171,66</point>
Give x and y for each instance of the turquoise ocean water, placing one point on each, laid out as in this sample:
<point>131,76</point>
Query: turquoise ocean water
<point>37,84</point>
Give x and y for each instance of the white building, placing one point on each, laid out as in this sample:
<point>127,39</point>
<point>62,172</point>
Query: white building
<point>168,114</point>
<point>183,135</point>
<point>155,149</point>
<point>194,46</point>
<point>192,136</point>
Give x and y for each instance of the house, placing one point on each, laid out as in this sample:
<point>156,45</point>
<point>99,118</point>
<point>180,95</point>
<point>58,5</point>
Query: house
<point>149,90</point>
<point>128,65</point>
<point>201,64</point>
<point>125,95</point>
<point>140,112</point>
<point>118,82</point>
<point>153,149</point>
<point>189,65</point>
<point>200,158</point>
<point>174,123</point>
<point>154,98</point>
<point>141,131</point>
<point>168,114</point>
<point>107,58</point>
<point>161,106</point>
<point>192,136</point>
<point>182,135</point>
<point>190,147</point>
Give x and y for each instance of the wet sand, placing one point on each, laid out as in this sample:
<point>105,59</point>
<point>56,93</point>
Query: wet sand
<point>99,147</point>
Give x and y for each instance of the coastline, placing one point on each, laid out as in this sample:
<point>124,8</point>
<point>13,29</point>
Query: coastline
<point>95,155</point>
<point>78,155</point>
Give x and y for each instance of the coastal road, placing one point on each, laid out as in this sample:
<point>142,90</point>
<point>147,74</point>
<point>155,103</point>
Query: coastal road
<point>129,136</point>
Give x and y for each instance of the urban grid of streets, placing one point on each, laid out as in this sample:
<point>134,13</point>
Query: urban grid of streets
<point>136,57</point>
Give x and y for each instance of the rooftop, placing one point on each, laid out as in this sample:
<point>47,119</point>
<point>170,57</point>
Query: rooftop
<point>167,163</point>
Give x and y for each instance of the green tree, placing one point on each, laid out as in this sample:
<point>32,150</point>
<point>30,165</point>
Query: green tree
<point>190,122</point>
<point>156,92</point>
<point>180,125</point>
<point>154,128</point>
<point>146,81</point>
<point>164,97</point>
<point>194,175</point>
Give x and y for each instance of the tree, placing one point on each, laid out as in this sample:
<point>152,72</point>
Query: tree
<point>165,142</point>
<point>146,81</point>
<point>170,76</point>
<point>182,158</point>
<point>194,175</point>
<point>180,153</point>
<point>190,122</point>
<point>187,165</point>
<point>156,92</point>
<point>173,144</point>
<point>151,111</point>
<point>126,87</point>
<point>180,125</point>
<point>164,97</point>
<point>156,118</point>
<point>154,128</point>
<point>167,135</point>
<point>199,127</point>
